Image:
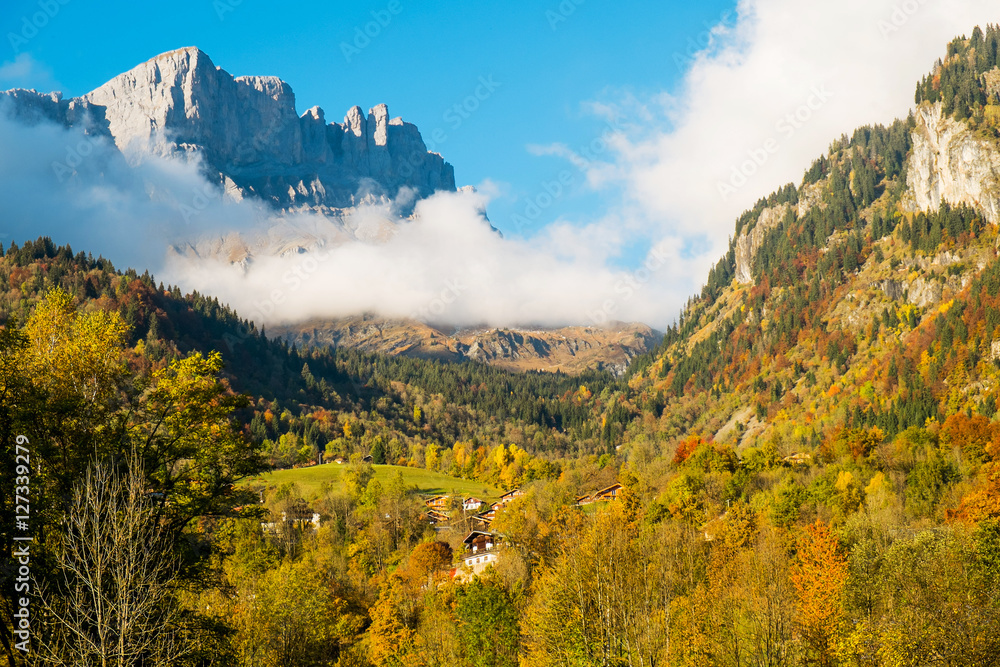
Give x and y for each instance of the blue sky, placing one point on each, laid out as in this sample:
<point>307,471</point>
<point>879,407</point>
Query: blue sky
<point>549,60</point>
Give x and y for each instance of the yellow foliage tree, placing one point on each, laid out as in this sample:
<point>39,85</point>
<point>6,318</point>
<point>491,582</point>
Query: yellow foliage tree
<point>75,356</point>
<point>390,637</point>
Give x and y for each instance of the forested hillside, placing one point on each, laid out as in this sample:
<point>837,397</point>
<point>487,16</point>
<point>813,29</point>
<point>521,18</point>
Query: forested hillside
<point>809,464</point>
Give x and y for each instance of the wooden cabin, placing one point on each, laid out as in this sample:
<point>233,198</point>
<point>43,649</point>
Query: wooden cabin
<point>610,493</point>
<point>435,517</point>
<point>439,503</point>
<point>509,496</point>
<point>472,504</point>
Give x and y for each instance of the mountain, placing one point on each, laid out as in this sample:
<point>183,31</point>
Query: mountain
<point>248,134</point>
<point>568,350</point>
<point>865,299</point>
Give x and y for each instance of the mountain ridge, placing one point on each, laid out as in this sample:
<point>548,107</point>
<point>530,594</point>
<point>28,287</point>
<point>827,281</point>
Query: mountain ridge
<point>569,350</point>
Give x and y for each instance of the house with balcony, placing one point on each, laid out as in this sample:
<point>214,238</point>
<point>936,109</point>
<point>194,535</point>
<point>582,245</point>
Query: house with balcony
<point>472,504</point>
<point>481,549</point>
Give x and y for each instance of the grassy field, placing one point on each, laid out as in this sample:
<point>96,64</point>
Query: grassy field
<point>311,479</point>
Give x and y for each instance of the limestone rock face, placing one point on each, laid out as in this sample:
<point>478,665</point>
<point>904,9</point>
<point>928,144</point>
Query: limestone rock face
<point>748,242</point>
<point>924,293</point>
<point>949,163</point>
<point>248,134</point>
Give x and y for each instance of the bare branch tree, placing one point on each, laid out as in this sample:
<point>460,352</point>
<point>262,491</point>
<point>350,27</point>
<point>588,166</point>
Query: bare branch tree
<point>111,603</point>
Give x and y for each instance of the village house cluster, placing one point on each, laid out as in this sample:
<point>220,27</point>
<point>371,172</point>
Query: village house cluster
<point>482,544</point>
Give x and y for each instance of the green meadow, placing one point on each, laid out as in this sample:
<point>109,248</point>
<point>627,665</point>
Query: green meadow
<point>426,482</point>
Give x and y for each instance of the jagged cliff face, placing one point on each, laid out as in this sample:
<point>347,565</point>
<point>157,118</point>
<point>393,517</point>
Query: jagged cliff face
<point>950,163</point>
<point>248,133</point>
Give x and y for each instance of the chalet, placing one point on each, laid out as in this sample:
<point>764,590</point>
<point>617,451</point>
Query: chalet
<point>584,500</point>
<point>490,513</point>
<point>439,503</point>
<point>798,459</point>
<point>480,550</point>
<point>609,493</point>
<point>303,519</point>
<point>471,504</point>
<point>367,458</point>
<point>509,496</point>
<point>480,522</point>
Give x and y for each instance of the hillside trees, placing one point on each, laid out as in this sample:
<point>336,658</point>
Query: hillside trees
<point>603,601</point>
<point>82,409</point>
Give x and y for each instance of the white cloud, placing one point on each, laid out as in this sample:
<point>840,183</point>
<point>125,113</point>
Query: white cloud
<point>445,266</point>
<point>766,96</point>
<point>26,72</point>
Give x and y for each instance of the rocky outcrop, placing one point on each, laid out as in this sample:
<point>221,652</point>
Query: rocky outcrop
<point>949,163</point>
<point>893,289</point>
<point>32,107</point>
<point>923,292</point>
<point>749,240</point>
<point>569,349</point>
<point>248,134</point>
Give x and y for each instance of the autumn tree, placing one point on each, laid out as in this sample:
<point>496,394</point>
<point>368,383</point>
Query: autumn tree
<point>819,576</point>
<point>391,635</point>
<point>293,618</point>
<point>428,559</point>
<point>184,430</point>
<point>744,612</point>
<point>600,601</point>
<point>938,600</point>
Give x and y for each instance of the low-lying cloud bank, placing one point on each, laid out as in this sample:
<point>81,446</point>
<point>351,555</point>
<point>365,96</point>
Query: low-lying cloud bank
<point>444,265</point>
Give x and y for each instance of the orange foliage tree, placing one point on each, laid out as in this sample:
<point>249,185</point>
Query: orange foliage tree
<point>983,502</point>
<point>819,577</point>
<point>686,448</point>
<point>429,559</point>
<point>974,435</point>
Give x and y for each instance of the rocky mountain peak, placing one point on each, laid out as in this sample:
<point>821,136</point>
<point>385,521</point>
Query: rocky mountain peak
<point>248,134</point>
